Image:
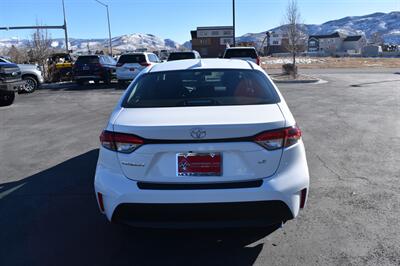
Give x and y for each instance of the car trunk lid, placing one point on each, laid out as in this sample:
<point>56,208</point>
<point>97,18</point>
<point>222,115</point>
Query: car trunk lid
<point>226,132</point>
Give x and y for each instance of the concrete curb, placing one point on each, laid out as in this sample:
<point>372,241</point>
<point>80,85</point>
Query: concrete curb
<point>309,80</point>
<point>297,81</point>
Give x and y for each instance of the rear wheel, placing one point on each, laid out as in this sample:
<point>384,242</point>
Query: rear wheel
<point>121,84</point>
<point>30,84</point>
<point>107,78</point>
<point>7,98</point>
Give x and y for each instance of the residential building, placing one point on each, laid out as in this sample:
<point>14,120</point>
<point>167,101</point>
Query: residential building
<point>329,43</point>
<point>336,43</point>
<point>279,43</point>
<point>354,44</point>
<point>246,44</point>
<point>212,41</point>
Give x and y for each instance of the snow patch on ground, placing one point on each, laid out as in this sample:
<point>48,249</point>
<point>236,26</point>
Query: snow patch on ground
<point>287,60</point>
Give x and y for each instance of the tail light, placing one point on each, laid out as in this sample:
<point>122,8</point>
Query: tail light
<point>258,60</point>
<point>120,142</point>
<point>100,200</point>
<point>145,64</point>
<point>98,65</point>
<point>276,139</point>
<point>303,197</point>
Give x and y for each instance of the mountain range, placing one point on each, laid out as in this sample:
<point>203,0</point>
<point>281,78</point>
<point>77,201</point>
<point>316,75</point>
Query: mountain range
<point>128,42</point>
<point>386,24</point>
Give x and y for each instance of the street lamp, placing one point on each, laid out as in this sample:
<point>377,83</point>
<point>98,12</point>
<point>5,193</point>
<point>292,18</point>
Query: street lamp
<point>109,28</point>
<point>233,24</point>
<point>65,28</point>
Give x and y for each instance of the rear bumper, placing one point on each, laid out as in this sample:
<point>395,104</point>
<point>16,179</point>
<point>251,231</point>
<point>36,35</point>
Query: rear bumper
<point>205,215</point>
<point>126,77</point>
<point>278,195</point>
<point>88,77</point>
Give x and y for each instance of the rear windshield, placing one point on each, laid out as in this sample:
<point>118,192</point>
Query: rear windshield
<point>232,53</point>
<point>180,56</point>
<point>87,60</point>
<point>201,88</point>
<point>131,58</point>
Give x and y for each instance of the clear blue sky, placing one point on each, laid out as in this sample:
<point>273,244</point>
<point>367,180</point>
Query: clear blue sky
<point>173,18</point>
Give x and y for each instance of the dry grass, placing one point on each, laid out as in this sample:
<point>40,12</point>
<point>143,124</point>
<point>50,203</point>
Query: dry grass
<point>328,62</point>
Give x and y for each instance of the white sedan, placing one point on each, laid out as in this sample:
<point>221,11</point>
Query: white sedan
<point>129,65</point>
<point>202,142</point>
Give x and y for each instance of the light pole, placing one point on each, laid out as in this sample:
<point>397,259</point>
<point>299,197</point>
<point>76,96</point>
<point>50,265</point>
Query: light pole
<point>65,28</point>
<point>109,27</point>
<point>233,24</point>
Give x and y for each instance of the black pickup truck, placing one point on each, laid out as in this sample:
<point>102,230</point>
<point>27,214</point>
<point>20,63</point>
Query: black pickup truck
<point>10,81</point>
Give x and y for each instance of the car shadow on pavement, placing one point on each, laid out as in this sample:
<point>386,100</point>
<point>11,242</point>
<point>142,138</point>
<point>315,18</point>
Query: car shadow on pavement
<point>52,218</point>
<point>72,86</point>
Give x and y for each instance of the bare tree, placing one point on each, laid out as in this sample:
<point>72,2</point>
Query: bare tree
<point>40,47</point>
<point>293,29</point>
<point>17,55</point>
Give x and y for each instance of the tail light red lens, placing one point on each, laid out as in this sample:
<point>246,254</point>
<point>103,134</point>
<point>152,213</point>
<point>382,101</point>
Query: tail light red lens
<point>98,65</point>
<point>277,139</point>
<point>303,198</point>
<point>120,142</point>
<point>100,200</point>
<point>145,64</point>
<point>258,60</point>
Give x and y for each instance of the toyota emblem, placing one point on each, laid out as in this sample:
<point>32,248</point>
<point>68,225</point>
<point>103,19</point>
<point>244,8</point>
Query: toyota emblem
<point>198,133</point>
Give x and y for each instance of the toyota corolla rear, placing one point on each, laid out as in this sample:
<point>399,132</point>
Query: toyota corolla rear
<point>203,147</point>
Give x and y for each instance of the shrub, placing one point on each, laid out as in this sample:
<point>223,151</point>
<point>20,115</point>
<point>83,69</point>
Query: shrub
<point>289,69</point>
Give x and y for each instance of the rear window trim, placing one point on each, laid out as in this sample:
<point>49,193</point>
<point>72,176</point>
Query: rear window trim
<point>88,56</point>
<point>146,59</point>
<point>240,49</point>
<point>181,53</point>
<point>132,85</point>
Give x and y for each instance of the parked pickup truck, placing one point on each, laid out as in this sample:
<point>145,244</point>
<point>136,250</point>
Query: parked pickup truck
<point>10,82</point>
<point>31,75</point>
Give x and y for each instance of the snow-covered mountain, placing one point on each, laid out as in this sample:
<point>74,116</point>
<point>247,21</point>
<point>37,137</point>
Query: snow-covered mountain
<point>386,24</point>
<point>128,42</point>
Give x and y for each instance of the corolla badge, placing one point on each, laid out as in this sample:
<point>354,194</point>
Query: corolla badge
<point>198,133</point>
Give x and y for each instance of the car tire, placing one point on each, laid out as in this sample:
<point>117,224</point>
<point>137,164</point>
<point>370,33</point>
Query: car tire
<point>107,78</point>
<point>7,98</point>
<point>107,81</point>
<point>121,84</point>
<point>30,84</point>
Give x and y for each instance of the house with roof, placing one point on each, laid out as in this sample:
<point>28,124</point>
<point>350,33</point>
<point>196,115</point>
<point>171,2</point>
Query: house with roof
<point>278,43</point>
<point>354,44</point>
<point>336,43</point>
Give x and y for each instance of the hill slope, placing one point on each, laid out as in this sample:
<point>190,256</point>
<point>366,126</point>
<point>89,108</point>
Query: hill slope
<point>387,24</point>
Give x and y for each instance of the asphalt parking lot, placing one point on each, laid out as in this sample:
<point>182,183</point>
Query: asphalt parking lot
<point>351,126</point>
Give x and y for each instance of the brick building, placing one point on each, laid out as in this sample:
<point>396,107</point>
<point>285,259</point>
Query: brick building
<point>211,41</point>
